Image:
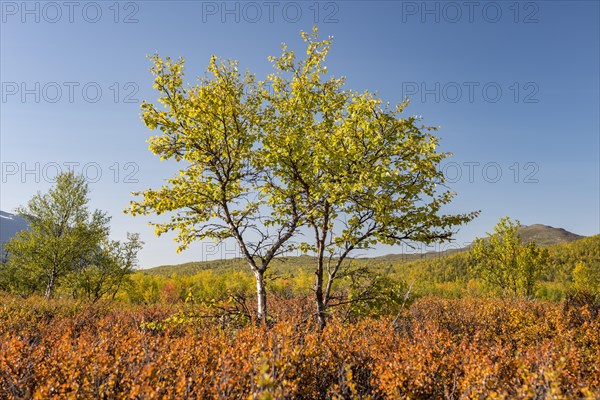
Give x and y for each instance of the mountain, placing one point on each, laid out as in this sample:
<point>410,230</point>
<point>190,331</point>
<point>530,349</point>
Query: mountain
<point>543,235</point>
<point>10,224</point>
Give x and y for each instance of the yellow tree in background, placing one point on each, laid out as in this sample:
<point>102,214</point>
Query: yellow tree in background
<point>503,261</point>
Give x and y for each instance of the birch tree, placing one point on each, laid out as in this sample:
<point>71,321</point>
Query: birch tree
<point>213,129</point>
<point>365,174</point>
<point>62,234</point>
<point>504,262</point>
<point>262,166</point>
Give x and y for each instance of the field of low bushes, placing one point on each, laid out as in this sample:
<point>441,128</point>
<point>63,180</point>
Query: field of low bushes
<point>436,348</point>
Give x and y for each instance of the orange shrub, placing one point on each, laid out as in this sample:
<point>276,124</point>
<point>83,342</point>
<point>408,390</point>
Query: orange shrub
<point>439,348</point>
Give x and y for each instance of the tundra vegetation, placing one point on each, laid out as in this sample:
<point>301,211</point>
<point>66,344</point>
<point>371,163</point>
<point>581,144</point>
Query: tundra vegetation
<point>295,162</point>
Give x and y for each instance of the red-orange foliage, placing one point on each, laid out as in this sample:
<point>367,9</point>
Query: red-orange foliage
<point>467,348</point>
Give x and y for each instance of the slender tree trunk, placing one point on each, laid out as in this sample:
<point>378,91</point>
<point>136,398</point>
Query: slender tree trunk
<point>321,316</point>
<point>319,299</point>
<point>261,293</point>
<point>50,284</point>
<point>321,238</point>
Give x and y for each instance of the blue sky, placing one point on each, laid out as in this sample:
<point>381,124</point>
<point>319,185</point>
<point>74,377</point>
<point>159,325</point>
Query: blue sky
<point>514,87</point>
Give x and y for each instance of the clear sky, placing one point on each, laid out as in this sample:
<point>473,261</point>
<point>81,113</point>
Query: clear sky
<point>514,87</point>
